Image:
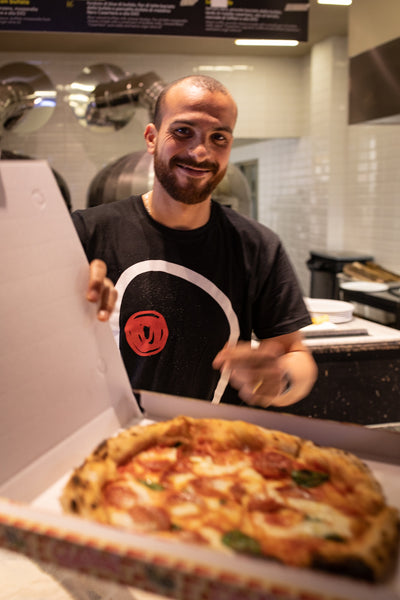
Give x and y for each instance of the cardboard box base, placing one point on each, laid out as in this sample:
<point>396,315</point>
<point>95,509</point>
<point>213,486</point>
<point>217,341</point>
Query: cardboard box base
<point>182,571</point>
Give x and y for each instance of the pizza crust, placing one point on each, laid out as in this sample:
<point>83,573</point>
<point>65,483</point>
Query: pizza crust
<point>371,557</point>
<point>351,490</point>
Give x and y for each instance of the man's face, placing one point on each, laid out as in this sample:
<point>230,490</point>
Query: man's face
<point>193,144</point>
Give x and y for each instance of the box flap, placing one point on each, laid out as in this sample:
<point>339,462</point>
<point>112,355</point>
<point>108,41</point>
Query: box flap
<point>371,444</point>
<point>60,367</point>
<point>114,553</point>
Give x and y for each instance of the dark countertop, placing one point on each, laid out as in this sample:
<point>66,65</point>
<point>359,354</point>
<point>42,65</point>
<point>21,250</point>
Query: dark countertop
<point>358,376</point>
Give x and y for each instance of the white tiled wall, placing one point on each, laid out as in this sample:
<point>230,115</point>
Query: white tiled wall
<point>337,188</point>
<point>302,181</point>
<point>373,211</point>
<point>322,184</point>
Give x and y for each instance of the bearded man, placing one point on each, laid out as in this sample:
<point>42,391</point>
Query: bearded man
<point>197,282</point>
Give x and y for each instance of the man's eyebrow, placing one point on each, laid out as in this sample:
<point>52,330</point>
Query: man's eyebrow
<point>193,124</point>
<point>225,128</point>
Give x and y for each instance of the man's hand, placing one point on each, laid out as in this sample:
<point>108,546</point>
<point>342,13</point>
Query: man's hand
<point>279,371</point>
<point>256,373</point>
<point>101,290</point>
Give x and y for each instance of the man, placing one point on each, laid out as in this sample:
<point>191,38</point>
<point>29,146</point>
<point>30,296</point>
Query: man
<point>196,280</point>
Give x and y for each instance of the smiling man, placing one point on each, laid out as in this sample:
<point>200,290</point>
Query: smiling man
<point>191,147</point>
<point>196,280</point>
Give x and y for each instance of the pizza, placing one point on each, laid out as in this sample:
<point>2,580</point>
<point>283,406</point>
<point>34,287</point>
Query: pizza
<point>240,488</point>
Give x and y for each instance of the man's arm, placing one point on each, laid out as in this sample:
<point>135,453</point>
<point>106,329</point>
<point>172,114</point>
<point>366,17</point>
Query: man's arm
<point>101,290</point>
<point>278,371</point>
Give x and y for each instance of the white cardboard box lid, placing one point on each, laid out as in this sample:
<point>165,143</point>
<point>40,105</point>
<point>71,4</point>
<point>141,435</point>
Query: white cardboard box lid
<point>372,444</point>
<point>60,368</point>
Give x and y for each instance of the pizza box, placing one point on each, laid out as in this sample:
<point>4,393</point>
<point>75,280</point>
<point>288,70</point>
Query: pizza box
<point>64,389</point>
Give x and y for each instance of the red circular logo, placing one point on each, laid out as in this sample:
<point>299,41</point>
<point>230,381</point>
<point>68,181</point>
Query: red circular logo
<point>146,332</point>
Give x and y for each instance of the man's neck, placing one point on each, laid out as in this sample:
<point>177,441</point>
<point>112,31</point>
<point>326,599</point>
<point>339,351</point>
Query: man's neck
<point>176,215</point>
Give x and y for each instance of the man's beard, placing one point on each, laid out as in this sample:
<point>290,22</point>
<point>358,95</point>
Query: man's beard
<point>192,192</point>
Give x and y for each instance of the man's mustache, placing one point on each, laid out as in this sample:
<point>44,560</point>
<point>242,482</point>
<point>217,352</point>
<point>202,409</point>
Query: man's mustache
<point>187,162</point>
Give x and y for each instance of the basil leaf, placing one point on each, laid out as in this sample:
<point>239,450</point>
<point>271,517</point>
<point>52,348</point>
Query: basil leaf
<point>307,478</point>
<point>153,485</point>
<point>240,542</point>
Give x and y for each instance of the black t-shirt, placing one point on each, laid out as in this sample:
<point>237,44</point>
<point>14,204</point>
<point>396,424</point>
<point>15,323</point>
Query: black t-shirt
<point>183,295</point>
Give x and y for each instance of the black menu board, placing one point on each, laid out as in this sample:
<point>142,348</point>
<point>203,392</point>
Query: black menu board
<point>276,19</point>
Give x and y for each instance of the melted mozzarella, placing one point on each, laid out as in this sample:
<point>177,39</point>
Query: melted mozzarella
<point>184,510</point>
<point>213,504</point>
<point>322,518</point>
<point>167,454</point>
<point>142,492</point>
<point>213,536</point>
<point>180,480</point>
<point>319,521</point>
<point>204,466</point>
<point>252,481</point>
<point>121,519</point>
<point>210,516</point>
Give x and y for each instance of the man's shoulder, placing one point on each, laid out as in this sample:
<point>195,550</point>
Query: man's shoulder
<point>244,223</point>
<point>107,210</point>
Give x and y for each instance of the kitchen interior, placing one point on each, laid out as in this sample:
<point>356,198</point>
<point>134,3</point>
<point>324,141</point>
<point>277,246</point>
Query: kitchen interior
<point>315,166</point>
<point>311,158</point>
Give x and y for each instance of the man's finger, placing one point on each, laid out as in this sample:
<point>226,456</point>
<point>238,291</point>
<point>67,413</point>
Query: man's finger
<point>97,274</point>
<point>107,301</point>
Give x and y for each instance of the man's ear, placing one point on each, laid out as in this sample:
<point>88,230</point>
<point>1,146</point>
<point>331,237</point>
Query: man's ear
<point>150,135</point>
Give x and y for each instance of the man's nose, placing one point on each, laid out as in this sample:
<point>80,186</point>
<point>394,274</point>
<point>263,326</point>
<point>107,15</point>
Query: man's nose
<point>199,149</point>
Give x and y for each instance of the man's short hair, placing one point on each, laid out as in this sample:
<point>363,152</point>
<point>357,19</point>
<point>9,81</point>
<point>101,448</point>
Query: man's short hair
<point>202,81</point>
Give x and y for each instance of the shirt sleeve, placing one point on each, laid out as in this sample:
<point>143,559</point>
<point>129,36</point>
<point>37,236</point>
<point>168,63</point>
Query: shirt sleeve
<point>279,307</point>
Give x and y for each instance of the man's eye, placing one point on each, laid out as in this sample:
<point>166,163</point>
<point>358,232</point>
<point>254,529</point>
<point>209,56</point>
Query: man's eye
<point>182,131</point>
<point>220,138</point>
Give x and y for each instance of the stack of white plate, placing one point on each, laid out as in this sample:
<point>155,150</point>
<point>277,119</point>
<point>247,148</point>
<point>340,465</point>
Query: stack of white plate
<point>336,310</point>
<point>364,286</point>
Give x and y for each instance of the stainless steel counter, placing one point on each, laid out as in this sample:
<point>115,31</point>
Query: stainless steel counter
<point>384,301</point>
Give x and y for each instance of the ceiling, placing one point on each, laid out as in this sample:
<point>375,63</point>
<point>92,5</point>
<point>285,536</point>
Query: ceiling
<point>324,21</point>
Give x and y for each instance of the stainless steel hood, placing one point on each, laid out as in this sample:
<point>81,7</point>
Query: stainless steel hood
<point>27,98</point>
<point>104,98</point>
<point>375,85</point>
